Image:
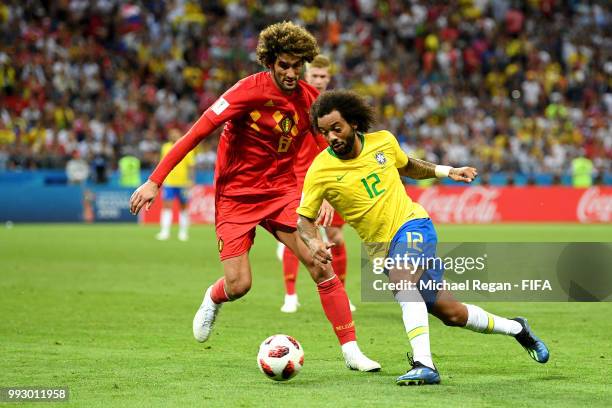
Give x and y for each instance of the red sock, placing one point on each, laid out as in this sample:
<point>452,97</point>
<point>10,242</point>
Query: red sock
<point>291,264</point>
<point>339,261</point>
<point>217,293</point>
<point>336,307</point>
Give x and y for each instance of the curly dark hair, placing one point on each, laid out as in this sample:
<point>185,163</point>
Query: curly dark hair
<point>285,37</point>
<point>352,107</point>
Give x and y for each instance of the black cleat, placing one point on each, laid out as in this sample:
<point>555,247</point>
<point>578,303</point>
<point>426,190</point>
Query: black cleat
<point>531,343</point>
<point>419,374</point>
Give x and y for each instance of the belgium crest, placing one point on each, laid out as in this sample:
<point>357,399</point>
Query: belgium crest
<point>286,124</point>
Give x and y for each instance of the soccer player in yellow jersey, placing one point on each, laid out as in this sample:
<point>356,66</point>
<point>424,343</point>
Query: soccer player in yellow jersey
<point>175,187</point>
<point>317,74</point>
<point>359,175</point>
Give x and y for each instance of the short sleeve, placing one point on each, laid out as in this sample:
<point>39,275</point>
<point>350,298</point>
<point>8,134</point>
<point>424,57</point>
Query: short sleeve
<point>233,103</point>
<point>312,196</point>
<point>401,160</point>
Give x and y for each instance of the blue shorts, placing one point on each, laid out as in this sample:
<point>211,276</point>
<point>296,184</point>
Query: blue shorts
<point>418,240</point>
<point>170,193</point>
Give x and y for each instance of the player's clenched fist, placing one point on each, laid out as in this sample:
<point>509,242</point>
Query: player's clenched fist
<point>320,250</point>
<point>465,174</point>
<point>144,195</point>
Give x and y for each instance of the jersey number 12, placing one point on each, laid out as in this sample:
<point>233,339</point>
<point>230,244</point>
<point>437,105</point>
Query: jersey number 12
<point>371,187</point>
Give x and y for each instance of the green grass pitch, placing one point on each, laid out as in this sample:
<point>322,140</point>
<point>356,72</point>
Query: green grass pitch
<point>107,310</point>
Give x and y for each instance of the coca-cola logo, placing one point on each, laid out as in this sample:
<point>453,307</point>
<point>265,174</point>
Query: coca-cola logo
<point>202,205</point>
<point>594,206</point>
<point>470,205</point>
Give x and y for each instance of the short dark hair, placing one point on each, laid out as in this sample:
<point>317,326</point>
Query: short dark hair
<point>288,38</point>
<point>353,108</point>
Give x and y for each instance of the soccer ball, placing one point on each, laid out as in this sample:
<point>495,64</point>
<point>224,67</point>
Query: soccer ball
<point>280,357</point>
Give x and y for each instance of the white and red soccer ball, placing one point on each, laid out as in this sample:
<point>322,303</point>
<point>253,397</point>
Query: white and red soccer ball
<point>280,357</point>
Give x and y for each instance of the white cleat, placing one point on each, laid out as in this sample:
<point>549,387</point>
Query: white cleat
<point>358,361</point>
<point>352,306</point>
<point>291,304</point>
<point>162,236</point>
<point>183,236</point>
<point>204,318</point>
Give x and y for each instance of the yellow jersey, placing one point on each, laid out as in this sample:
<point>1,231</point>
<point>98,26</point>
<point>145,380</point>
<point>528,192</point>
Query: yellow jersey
<point>179,176</point>
<point>367,190</point>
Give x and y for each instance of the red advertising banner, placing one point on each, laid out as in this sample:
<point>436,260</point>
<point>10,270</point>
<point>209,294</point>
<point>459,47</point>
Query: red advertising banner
<point>202,204</point>
<point>201,207</point>
<point>465,205</point>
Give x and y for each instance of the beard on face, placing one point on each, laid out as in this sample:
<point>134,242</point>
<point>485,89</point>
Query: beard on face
<point>342,149</point>
<point>283,85</point>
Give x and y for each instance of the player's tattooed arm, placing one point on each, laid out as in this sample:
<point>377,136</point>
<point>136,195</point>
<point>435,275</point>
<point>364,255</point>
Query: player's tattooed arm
<point>309,233</point>
<point>418,169</point>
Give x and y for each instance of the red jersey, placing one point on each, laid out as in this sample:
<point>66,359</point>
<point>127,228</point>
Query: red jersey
<point>311,147</point>
<point>264,130</point>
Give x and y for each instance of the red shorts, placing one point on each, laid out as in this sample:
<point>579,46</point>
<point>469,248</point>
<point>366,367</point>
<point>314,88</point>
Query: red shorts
<point>337,220</point>
<point>237,217</point>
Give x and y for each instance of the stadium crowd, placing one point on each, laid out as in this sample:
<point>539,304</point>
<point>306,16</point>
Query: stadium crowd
<point>513,86</point>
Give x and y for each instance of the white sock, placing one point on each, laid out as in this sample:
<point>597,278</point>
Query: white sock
<point>166,220</point>
<point>350,347</point>
<point>484,322</point>
<point>416,323</point>
<point>184,221</point>
<point>291,298</point>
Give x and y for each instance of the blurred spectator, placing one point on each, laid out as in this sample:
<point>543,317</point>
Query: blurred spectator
<point>582,172</point>
<point>129,171</point>
<point>77,169</point>
<point>515,87</point>
<point>4,157</point>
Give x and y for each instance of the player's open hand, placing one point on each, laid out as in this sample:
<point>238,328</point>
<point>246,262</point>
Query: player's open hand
<point>144,195</point>
<point>465,174</point>
<point>326,214</point>
<point>320,251</point>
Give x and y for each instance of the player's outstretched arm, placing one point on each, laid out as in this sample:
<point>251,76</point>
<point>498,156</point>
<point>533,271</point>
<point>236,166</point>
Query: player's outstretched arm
<point>202,128</point>
<point>418,169</point>
<point>421,169</point>
<point>310,235</point>
<point>146,193</point>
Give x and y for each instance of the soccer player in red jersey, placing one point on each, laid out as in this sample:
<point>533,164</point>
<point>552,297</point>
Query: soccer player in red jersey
<point>266,118</point>
<point>318,75</point>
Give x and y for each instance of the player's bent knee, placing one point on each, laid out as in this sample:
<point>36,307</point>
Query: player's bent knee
<point>320,273</point>
<point>310,264</point>
<point>237,288</point>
